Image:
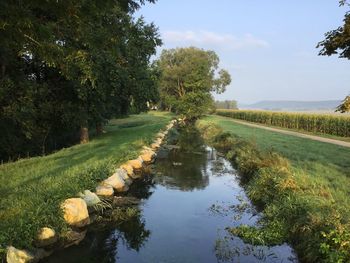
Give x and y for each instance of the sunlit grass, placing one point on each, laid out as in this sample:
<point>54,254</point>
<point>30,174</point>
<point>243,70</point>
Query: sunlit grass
<point>324,163</point>
<point>32,189</point>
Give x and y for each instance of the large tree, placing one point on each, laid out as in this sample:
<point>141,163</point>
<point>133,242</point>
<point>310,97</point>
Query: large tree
<point>188,76</point>
<point>338,42</point>
<point>66,65</point>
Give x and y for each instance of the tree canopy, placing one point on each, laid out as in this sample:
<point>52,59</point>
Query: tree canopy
<point>338,42</point>
<point>66,65</point>
<point>187,78</point>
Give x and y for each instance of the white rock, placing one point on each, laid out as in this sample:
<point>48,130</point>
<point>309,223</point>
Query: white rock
<point>15,255</point>
<point>116,182</point>
<point>104,190</point>
<point>75,212</point>
<point>90,198</point>
<point>136,164</point>
<point>128,168</point>
<point>124,175</point>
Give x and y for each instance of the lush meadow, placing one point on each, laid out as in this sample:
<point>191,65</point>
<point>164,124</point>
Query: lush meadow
<point>31,190</point>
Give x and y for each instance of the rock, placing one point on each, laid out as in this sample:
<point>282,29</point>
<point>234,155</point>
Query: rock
<point>46,237</point>
<point>75,212</point>
<point>90,198</point>
<point>15,255</point>
<point>104,190</point>
<point>158,141</point>
<point>124,175</point>
<point>136,164</point>
<point>147,157</point>
<point>155,146</point>
<point>149,151</point>
<point>160,135</point>
<point>116,182</point>
<point>74,237</point>
<point>128,168</point>
<point>147,148</point>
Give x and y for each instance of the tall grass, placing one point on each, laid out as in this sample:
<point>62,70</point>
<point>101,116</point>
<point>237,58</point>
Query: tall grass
<point>296,208</point>
<point>317,123</point>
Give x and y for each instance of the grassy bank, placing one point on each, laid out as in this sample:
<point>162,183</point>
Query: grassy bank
<point>301,185</point>
<point>32,189</point>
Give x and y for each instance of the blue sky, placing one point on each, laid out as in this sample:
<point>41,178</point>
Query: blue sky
<point>268,46</point>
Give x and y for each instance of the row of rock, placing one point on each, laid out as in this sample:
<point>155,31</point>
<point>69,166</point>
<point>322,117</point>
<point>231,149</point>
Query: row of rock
<point>77,211</point>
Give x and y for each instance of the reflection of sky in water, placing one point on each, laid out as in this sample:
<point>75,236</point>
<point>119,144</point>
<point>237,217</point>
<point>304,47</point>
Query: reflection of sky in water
<point>183,220</point>
<point>183,226</point>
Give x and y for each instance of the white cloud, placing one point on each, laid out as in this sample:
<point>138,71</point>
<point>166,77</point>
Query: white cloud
<point>207,38</point>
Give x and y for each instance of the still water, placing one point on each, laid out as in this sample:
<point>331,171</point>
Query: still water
<point>186,205</point>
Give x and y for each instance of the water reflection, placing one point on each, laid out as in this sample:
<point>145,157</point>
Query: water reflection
<point>231,249</point>
<point>185,209</point>
<point>123,226</point>
<point>185,172</point>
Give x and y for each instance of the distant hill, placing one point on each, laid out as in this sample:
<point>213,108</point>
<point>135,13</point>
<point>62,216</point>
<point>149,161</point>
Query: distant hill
<point>289,105</point>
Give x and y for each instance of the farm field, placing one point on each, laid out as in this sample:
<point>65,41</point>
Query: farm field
<point>32,189</point>
<point>319,124</point>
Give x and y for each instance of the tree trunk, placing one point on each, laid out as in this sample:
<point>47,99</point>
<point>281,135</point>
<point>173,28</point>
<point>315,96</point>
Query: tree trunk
<point>99,128</point>
<point>84,135</point>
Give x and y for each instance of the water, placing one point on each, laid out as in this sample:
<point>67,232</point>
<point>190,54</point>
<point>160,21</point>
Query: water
<point>187,204</point>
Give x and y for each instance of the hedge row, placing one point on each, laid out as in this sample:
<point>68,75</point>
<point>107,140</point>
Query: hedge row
<point>316,123</point>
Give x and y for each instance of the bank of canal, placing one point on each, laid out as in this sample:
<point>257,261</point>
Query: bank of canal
<point>186,204</point>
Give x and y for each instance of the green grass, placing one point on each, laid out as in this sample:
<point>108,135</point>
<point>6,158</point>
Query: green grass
<point>326,164</point>
<point>31,190</point>
<point>324,135</point>
<point>300,186</point>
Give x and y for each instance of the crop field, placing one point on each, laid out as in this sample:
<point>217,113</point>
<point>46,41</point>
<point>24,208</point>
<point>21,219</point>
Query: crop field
<point>338,125</point>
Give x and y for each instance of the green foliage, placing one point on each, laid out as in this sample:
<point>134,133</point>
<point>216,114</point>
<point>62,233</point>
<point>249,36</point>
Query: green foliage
<point>32,189</point>
<point>187,77</point>
<point>297,208</point>
<point>67,64</point>
<point>345,106</point>
<point>338,42</point>
<point>316,123</point>
<point>189,139</point>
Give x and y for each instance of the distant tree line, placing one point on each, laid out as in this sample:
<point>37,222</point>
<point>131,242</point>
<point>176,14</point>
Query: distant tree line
<point>67,66</point>
<point>226,104</point>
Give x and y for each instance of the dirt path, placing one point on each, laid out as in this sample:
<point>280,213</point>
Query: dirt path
<point>293,133</point>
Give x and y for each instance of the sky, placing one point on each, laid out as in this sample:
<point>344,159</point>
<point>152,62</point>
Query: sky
<point>268,46</point>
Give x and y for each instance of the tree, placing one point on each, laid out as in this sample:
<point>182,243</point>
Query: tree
<point>227,104</point>
<point>188,76</point>
<point>345,106</point>
<point>70,65</point>
<point>338,42</point>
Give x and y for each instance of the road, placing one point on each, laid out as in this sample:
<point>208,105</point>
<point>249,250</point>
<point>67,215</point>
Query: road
<point>293,133</point>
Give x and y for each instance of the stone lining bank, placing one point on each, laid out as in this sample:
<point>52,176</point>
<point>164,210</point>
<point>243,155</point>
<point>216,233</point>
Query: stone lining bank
<point>79,212</point>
